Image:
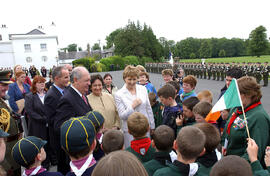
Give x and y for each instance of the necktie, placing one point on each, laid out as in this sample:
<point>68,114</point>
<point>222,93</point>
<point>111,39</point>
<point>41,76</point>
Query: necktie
<point>84,99</point>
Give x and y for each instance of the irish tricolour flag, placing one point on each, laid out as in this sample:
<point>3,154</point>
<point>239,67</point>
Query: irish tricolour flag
<point>230,99</point>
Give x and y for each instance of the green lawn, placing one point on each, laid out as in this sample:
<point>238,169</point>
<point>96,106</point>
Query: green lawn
<point>246,59</point>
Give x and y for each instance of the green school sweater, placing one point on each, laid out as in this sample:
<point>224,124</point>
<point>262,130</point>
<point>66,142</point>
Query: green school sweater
<point>207,161</point>
<point>148,155</point>
<point>173,170</point>
<point>157,111</point>
<point>190,121</point>
<point>159,161</point>
<point>259,128</point>
<point>258,170</point>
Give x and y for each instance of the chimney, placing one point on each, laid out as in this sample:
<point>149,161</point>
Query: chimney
<point>4,33</point>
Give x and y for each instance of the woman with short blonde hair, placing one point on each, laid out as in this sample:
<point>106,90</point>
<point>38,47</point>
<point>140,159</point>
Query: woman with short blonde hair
<point>132,98</point>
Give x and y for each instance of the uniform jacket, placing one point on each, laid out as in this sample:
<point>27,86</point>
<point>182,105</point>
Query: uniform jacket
<point>123,101</point>
<point>37,118</point>
<point>258,122</point>
<point>159,161</point>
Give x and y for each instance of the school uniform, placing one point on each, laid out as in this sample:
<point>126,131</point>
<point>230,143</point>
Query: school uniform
<point>188,122</point>
<point>178,168</point>
<point>87,172</point>
<point>235,133</point>
<point>257,169</point>
<point>40,172</point>
<point>157,111</point>
<point>142,149</point>
<point>159,161</point>
<point>207,161</point>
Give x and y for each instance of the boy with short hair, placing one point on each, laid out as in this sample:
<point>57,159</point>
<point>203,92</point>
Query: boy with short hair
<point>172,109</point>
<point>162,141</point>
<point>138,127</point>
<point>167,75</point>
<point>205,95</point>
<point>178,92</point>
<point>29,152</point>
<point>78,140</point>
<point>157,108</point>
<point>187,118</point>
<point>112,140</point>
<point>201,110</point>
<point>211,155</point>
<point>144,81</point>
<point>231,165</point>
<point>189,145</point>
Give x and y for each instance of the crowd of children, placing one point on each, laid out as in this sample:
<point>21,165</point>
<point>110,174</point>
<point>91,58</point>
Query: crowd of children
<point>183,142</point>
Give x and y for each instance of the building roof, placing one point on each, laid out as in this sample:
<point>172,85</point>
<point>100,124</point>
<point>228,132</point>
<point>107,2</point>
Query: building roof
<point>72,55</point>
<point>35,32</point>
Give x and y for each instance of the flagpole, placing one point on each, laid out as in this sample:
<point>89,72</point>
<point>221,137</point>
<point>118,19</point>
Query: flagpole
<point>243,110</point>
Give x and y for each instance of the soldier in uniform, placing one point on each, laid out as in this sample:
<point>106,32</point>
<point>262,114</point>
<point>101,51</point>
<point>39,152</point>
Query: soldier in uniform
<point>214,71</point>
<point>265,73</point>
<point>257,72</point>
<point>218,71</point>
<point>250,69</point>
<point>209,70</point>
<point>222,71</point>
<point>10,125</point>
<point>204,70</point>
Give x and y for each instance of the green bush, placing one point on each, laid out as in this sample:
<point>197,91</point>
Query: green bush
<point>144,60</point>
<point>86,62</point>
<point>107,62</point>
<point>192,55</point>
<point>131,60</point>
<point>118,60</point>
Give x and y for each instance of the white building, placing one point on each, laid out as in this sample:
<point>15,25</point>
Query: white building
<point>33,48</point>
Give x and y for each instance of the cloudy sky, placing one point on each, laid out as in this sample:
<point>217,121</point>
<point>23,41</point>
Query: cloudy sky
<point>87,21</point>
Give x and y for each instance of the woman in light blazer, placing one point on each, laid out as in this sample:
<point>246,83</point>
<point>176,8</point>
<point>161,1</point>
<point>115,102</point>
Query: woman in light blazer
<point>132,98</point>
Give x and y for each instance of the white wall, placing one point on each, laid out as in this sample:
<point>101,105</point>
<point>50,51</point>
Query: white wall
<point>6,54</point>
<point>36,53</point>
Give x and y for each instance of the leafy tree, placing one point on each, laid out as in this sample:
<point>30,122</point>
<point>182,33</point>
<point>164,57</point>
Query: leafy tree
<point>72,47</point>
<point>96,47</point>
<point>86,62</point>
<point>111,38</point>
<point>192,56</point>
<point>222,53</point>
<point>205,49</point>
<point>258,43</point>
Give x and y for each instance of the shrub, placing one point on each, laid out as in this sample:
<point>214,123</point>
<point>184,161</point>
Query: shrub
<point>86,62</point>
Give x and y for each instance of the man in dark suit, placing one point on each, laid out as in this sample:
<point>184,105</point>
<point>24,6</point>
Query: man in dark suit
<point>60,76</point>
<point>73,103</point>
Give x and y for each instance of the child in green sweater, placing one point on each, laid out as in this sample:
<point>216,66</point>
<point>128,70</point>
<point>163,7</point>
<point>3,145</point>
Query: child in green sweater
<point>211,155</point>
<point>189,145</point>
<point>157,108</point>
<point>141,147</point>
<point>163,139</point>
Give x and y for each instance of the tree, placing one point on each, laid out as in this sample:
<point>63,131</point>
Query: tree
<point>222,53</point>
<point>111,38</point>
<point>96,47</point>
<point>205,49</point>
<point>72,47</point>
<point>258,43</point>
<point>80,48</point>
<point>137,41</point>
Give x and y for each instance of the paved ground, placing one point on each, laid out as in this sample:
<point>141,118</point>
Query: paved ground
<point>213,86</point>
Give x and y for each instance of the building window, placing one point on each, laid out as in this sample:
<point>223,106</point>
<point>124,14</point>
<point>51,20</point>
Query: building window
<point>28,59</point>
<point>0,37</point>
<point>27,47</point>
<point>43,47</point>
<point>44,58</point>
